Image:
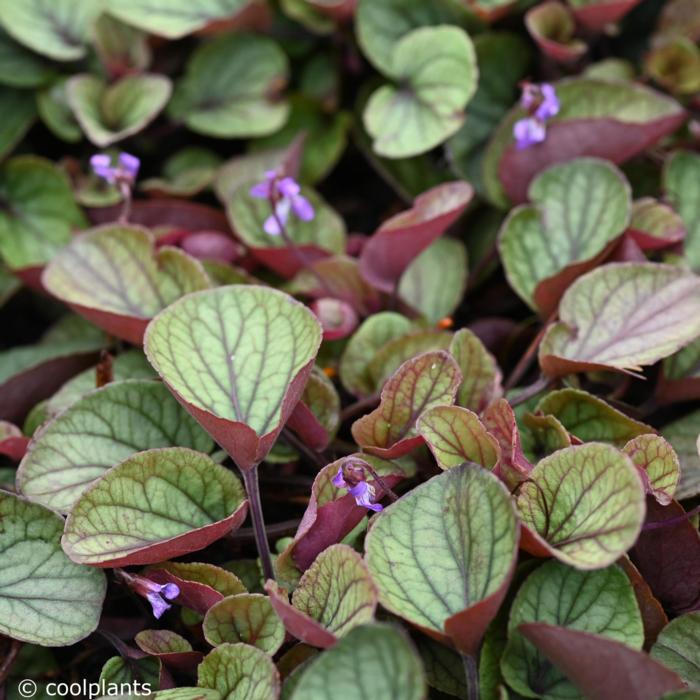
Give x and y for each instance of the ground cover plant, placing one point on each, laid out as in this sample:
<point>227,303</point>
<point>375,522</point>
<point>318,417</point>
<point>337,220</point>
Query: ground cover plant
<point>350,349</point>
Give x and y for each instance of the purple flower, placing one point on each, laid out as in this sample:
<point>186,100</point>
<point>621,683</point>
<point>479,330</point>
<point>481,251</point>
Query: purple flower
<point>284,194</point>
<point>362,492</point>
<point>159,594</point>
<point>541,103</point>
<point>124,171</point>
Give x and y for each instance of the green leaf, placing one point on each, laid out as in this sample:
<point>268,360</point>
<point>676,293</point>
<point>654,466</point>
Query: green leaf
<point>586,502</point>
<point>231,88</point>
<point>247,618</point>
<point>40,213</point>
<point>174,19</point>
<point>655,457</point>
<point>622,316</point>
<point>455,435</point>
<point>380,24</point>
<point>114,276</point>
<point>683,435</point>
<point>434,581</point>
<point>589,418</point>
<point>678,648</point>
<point>239,672</point>
<point>371,661</point>
<point>374,333</point>
<point>22,68</point>
<point>431,379</point>
<point>108,114</point>
<point>121,48</point>
<point>601,602</point>
<point>481,383</point>
<point>680,170</point>
<point>337,591</point>
<point>155,505</point>
<point>159,642</point>
<point>655,225</point>
<point>577,209</point>
<point>123,671</point>
<point>444,668</point>
<point>445,259</point>
<point>221,580</point>
<point>238,358</point>
<point>436,75</point>
<point>55,112</point>
<point>186,173</point>
<point>98,431</point>
<point>44,597</point>
<point>59,30</point>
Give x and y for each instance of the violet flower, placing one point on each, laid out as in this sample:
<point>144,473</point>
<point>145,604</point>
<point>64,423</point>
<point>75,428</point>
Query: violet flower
<point>123,172</point>
<point>284,194</point>
<point>542,104</point>
<point>156,594</point>
<point>361,491</point>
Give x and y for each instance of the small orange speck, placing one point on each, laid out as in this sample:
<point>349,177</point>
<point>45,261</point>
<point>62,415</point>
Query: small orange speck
<point>330,372</point>
<point>445,323</point>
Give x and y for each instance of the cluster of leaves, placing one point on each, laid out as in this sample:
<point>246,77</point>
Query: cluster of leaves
<point>539,536</point>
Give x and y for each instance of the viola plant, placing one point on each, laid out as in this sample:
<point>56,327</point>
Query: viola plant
<point>351,349</point>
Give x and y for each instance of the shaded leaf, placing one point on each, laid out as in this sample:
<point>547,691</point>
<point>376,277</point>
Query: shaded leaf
<point>97,432</point>
<point>247,618</point>
<point>456,435</point>
<point>655,225</point>
<point>185,173</point>
<point>436,75</point>
<point>398,241</point>
<point>481,383</point>
<point>600,602</point>
<point>44,597</point>
<point>114,276</point>
<point>552,26</point>
<point>169,647</point>
<point>157,504</point>
<point>431,379</point>
<point>20,67</point>
<point>597,14</point>
<point>390,667</point>
<point>19,107</point>
<point>656,459</point>
<point>683,435</point>
<point>108,114</point>
<point>586,502</point>
<point>622,316</point>
<point>449,584</point>
<point>681,169</point>
<point>231,88</point>
<point>678,648</point>
<point>251,350</point>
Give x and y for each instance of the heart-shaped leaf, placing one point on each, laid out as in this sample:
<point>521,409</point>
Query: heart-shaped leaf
<point>247,618</point>
<point>108,114</point>
<point>100,430</point>
<point>45,598</point>
<point>455,435</point>
<point>655,225</point>
<point>237,358</point>
<point>431,379</point>
<point>601,602</point>
<point>372,661</point>
<point>599,118</point>
<point>323,235</point>
<point>601,668</point>
<point>481,383</point>
<point>678,648</point>
<point>170,648</point>
<point>657,461</point>
<point>239,672</point>
<point>683,435</point>
<point>174,19</point>
<point>157,504</point>
<point>622,316</point>
<point>680,170</point>
<point>552,26</point>
<point>114,276</point>
<point>436,75</point>
<point>450,584</point>
<point>398,241</point>
<point>586,502</point>
<point>40,214</point>
<point>591,419</point>
<point>577,209</point>
<point>31,373</point>
<point>446,258</point>
<point>231,88</point>
<point>332,512</point>
<point>59,30</point>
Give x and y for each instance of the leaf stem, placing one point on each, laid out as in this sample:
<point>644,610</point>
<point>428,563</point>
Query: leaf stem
<point>126,207</point>
<point>472,676</point>
<point>658,524</point>
<point>529,391</point>
<point>358,407</point>
<point>383,485</point>
<point>525,361</point>
<point>252,487</point>
<point>318,458</point>
<point>9,660</point>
